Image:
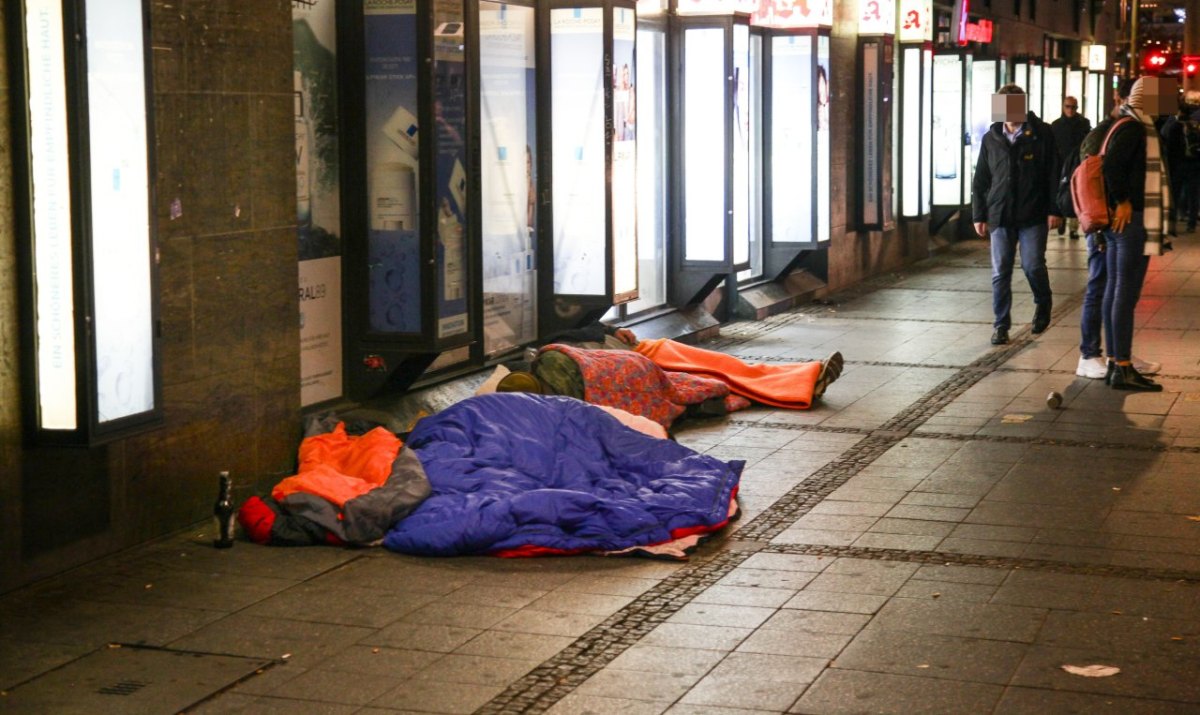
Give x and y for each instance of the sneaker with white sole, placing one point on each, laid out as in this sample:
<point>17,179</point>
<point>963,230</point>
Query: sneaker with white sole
<point>1093,368</point>
<point>1146,367</point>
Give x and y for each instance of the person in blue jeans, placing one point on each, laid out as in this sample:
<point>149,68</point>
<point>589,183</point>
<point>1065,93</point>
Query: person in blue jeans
<point>1092,363</point>
<point>1012,204</point>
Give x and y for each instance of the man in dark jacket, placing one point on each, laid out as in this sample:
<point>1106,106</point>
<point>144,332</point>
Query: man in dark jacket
<point>1012,202</point>
<point>1069,131</point>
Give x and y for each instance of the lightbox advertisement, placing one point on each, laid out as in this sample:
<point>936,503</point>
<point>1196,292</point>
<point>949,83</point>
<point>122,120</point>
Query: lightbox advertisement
<point>318,208</point>
<point>450,166</point>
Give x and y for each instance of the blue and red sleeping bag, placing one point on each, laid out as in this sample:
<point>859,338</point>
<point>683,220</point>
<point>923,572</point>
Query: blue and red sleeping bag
<point>516,474</point>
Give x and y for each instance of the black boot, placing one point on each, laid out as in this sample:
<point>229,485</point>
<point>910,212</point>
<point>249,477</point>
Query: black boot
<point>1041,318</point>
<point>1112,367</point>
<point>1124,377</point>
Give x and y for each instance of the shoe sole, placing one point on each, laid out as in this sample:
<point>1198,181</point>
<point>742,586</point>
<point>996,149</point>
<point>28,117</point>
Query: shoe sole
<point>1091,377</point>
<point>831,369</point>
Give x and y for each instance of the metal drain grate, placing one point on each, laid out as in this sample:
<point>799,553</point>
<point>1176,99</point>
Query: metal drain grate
<point>125,687</point>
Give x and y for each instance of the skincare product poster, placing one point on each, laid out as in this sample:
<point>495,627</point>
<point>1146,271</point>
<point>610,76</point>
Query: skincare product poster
<point>450,118</point>
<point>318,209</point>
<point>577,87</point>
<point>508,147</point>
<point>393,136</point>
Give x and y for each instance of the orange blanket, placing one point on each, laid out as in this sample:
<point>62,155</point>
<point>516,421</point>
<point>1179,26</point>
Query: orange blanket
<point>786,385</point>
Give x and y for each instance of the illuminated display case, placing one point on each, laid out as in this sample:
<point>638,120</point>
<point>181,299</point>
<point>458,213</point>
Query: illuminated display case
<point>590,230</point>
<point>1074,85</point>
<point>508,143</point>
<point>1095,96</point>
<point>874,90</point>
<point>82,162</point>
<point>1034,90</point>
<point>409,231</point>
<point>914,130</point>
<point>951,137</point>
<point>1020,75</point>
<point>711,190</point>
<point>985,80</point>
<point>1053,87</point>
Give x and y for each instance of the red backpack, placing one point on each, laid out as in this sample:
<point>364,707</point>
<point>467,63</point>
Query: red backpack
<point>1087,187</point>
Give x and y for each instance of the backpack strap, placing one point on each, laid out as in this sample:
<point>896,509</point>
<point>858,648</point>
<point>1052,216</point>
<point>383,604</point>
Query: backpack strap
<point>1112,130</point>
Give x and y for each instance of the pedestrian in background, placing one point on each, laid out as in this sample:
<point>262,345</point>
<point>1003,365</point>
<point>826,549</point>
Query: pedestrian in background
<point>1012,203</point>
<point>1069,131</point>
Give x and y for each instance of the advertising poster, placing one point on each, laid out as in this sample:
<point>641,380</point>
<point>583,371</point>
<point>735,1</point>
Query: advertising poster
<point>624,154</point>
<point>577,87</point>
<point>450,117</point>
<point>318,210</point>
<point>392,133</point>
<point>508,143</point>
<point>705,113</point>
<point>824,96</point>
<point>947,129</point>
<point>870,170</point>
<point>792,125</point>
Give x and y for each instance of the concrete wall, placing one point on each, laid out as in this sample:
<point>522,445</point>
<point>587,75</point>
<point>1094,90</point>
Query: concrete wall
<point>225,150</point>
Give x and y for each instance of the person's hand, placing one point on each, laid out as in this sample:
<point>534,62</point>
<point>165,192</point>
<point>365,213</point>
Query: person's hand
<point>626,336</point>
<point>981,228</point>
<point>1121,217</point>
<point>1054,222</point>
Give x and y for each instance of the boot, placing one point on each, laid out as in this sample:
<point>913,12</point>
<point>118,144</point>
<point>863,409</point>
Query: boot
<point>1125,377</point>
<point>1041,318</point>
<point>1108,373</point>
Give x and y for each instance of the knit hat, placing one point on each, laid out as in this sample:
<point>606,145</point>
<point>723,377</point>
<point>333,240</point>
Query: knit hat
<point>1136,93</point>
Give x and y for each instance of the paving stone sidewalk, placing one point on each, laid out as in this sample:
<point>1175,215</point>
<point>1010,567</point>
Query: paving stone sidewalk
<point>932,537</point>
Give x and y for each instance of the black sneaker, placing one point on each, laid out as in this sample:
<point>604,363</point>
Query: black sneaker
<point>1000,336</point>
<point>1041,319</point>
<point>831,369</point>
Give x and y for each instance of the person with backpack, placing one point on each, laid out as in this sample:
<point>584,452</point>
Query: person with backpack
<point>1181,145</point>
<point>1012,203</point>
<point>1138,196</point>
<point>1069,131</point>
<point>1092,363</point>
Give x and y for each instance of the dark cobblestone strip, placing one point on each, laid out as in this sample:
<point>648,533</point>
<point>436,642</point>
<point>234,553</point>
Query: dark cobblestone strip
<point>557,677</point>
<point>801,427</point>
<point>1051,442</point>
<point>942,558</point>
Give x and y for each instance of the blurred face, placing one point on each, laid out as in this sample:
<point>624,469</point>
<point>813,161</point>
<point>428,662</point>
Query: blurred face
<point>1070,107</point>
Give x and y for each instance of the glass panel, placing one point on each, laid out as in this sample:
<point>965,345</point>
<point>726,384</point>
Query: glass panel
<point>947,129</point>
<point>120,211</point>
<point>1021,75</point>
<point>704,116</point>
<point>624,154</point>
<point>824,95</point>
<point>1053,98</point>
<point>50,171</point>
<point>508,144</point>
<point>1075,86</point>
<point>756,157</point>
<point>741,144</point>
<point>911,127</point>
<point>983,86</point>
<point>964,132</point>
<point>1035,89</point>
<point>392,131</point>
<point>926,129</point>
<point>792,123</point>
<point>577,108</point>
<point>450,157</point>
<point>652,170</point>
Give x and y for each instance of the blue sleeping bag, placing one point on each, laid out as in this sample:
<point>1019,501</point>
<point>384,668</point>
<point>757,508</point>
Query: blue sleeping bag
<point>538,474</point>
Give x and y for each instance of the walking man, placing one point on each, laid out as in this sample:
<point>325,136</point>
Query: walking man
<point>1069,131</point>
<point>1012,202</point>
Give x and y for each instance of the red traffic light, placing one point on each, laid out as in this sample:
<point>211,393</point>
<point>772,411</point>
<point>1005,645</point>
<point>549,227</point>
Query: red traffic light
<point>1156,59</point>
<point>1191,65</point>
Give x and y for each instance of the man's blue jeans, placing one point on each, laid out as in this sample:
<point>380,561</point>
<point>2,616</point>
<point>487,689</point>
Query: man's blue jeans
<point>1033,261</point>
<point>1126,267</point>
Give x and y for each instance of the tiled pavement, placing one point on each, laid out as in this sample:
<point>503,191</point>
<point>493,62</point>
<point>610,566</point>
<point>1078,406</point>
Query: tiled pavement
<point>930,538</point>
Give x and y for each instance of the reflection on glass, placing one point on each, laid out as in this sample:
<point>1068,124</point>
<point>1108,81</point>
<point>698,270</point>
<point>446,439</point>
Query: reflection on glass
<point>824,94</point>
<point>450,187</point>
<point>1053,97</point>
<point>651,171</point>
<point>792,123</point>
<point>741,144</point>
<point>624,154</point>
<point>508,144</point>
<point>926,129</point>
<point>577,108</point>
<point>983,86</point>
<point>51,199</point>
<point>756,187</point>
<point>704,115</point>
<point>910,151</point>
<point>121,260</point>
<point>947,129</point>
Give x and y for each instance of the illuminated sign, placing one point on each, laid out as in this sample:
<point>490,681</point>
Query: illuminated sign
<point>962,9</point>
<point>915,21</point>
<point>790,13</point>
<point>876,17</point>
<point>977,32</point>
<point>715,7</point>
<point>1098,57</point>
